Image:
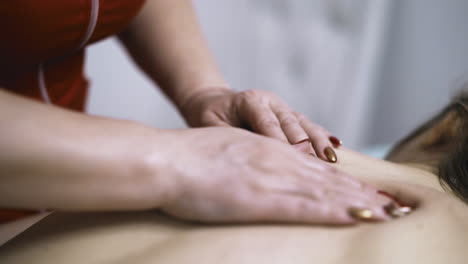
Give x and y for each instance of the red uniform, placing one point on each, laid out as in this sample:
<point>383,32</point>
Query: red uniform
<point>43,45</point>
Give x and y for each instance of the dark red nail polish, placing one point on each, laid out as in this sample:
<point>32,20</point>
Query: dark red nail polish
<point>335,141</point>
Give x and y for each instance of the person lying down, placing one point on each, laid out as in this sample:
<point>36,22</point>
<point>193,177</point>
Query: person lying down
<point>426,171</point>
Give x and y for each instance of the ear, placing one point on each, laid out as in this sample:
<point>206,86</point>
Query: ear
<point>444,133</point>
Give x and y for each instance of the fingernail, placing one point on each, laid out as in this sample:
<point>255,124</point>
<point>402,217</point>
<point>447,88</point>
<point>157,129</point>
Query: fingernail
<point>396,211</point>
<point>330,154</point>
<point>361,214</point>
<point>395,208</point>
<point>335,141</point>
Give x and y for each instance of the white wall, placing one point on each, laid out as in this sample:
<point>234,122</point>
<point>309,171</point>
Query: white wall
<point>320,56</point>
<point>334,60</point>
<point>310,52</point>
<point>119,90</point>
<point>425,62</point>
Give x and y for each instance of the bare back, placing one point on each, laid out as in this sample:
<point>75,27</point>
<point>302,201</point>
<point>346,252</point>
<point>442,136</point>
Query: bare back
<point>436,232</point>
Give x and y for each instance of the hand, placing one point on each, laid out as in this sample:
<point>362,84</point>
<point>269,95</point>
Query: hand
<point>232,175</point>
<point>261,111</point>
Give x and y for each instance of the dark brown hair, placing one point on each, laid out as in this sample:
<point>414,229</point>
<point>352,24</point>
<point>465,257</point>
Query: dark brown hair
<point>453,169</point>
<point>453,166</point>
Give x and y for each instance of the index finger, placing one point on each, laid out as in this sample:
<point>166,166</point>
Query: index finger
<point>289,123</point>
<point>264,121</point>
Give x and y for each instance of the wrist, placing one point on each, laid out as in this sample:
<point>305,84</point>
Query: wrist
<point>197,100</point>
<point>192,78</point>
<point>125,171</point>
<point>152,165</point>
<point>194,91</point>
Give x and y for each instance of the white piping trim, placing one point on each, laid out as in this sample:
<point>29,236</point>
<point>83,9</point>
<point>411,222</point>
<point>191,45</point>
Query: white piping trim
<point>89,33</point>
<point>92,23</point>
<point>42,84</point>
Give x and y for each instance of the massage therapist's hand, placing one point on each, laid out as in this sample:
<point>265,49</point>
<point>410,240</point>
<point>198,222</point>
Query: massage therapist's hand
<point>261,111</point>
<point>231,175</point>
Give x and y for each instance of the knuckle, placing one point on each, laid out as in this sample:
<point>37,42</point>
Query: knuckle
<point>207,118</point>
<point>262,94</point>
<point>243,97</point>
<point>301,117</point>
<point>253,98</point>
<point>288,120</point>
<point>268,122</point>
<point>249,93</point>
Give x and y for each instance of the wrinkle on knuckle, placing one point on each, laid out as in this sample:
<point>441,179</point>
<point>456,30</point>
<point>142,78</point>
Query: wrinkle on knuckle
<point>268,123</point>
<point>244,97</point>
<point>301,117</point>
<point>209,118</point>
<point>248,94</point>
<point>288,120</point>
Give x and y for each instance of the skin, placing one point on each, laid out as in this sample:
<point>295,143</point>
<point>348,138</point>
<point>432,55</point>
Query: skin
<point>434,233</point>
<point>184,69</point>
<point>61,160</point>
<point>70,163</point>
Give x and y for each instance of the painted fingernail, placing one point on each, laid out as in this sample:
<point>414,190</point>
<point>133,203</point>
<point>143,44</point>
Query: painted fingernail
<point>361,214</point>
<point>330,154</point>
<point>396,211</point>
<point>335,141</point>
<point>396,208</point>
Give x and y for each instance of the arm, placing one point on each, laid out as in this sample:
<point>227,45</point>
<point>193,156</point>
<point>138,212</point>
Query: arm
<point>166,42</point>
<point>57,159</point>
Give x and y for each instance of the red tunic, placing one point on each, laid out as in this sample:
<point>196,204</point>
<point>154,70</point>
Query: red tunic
<point>43,44</point>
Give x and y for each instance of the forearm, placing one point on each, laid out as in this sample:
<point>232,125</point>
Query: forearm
<point>57,159</point>
<point>166,42</point>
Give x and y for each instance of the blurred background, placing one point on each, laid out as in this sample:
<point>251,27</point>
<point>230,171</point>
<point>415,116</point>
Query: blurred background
<point>369,71</point>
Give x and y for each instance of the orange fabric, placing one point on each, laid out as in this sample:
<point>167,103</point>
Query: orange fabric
<point>10,215</point>
<point>49,32</point>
